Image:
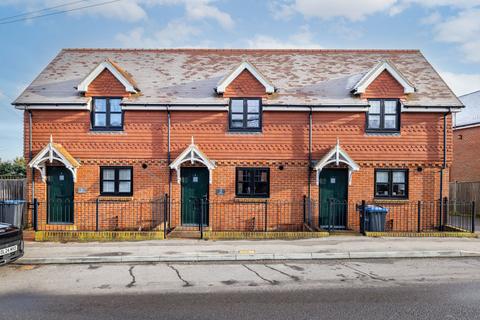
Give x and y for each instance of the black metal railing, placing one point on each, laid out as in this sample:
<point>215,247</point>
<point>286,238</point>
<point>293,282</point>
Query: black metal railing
<point>401,216</point>
<point>164,214</point>
<point>101,215</point>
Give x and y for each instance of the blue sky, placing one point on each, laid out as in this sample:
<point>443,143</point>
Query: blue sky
<point>445,30</point>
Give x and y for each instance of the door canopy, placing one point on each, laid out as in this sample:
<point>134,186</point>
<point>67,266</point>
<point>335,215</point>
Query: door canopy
<point>193,154</point>
<point>54,152</point>
<point>336,156</point>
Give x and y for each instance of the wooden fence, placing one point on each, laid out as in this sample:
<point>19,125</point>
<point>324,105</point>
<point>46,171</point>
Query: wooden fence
<point>466,192</point>
<point>12,188</point>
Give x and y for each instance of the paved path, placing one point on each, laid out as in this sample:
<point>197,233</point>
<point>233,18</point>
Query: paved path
<point>198,250</point>
<point>377,289</point>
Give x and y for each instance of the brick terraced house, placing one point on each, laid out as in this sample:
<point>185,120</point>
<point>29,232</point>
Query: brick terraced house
<point>466,140</point>
<point>235,138</point>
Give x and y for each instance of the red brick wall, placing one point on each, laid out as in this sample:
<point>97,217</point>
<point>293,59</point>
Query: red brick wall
<point>384,86</point>
<point>105,84</point>
<point>245,85</point>
<point>284,141</point>
<point>466,163</point>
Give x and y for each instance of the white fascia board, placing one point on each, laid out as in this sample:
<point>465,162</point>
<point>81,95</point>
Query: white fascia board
<point>174,108</point>
<point>466,126</point>
<point>368,78</point>
<point>315,109</point>
<point>53,107</point>
<point>221,87</point>
<point>83,86</point>
<point>429,109</point>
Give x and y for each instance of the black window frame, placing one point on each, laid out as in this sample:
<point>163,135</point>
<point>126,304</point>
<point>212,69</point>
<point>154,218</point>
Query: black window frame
<point>390,184</point>
<point>252,171</point>
<point>382,115</point>
<point>108,112</point>
<point>116,181</point>
<point>245,114</point>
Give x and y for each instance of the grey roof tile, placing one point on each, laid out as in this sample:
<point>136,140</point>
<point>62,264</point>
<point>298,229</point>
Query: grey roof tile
<point>189,76</point>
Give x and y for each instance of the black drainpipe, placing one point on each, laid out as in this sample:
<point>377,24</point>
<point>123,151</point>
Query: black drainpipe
<point>309,152</point>
<point>30,155</point>
<point>444,166</point>
<point>169,155</point>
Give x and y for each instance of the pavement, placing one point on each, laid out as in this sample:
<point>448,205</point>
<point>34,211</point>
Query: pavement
<point>339,247</point>
<point>431,288</point>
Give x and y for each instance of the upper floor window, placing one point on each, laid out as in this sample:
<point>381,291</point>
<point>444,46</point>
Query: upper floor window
<point>383,115</point>
<point>116,181</point>
<point>245,114</point>
<point>391,183</point>
<point>253,182</point>
<point>107,114</point>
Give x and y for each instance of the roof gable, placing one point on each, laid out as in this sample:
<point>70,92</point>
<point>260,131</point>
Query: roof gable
<point>370,76</point>
<point>118,73</point>
<point>245,65</point>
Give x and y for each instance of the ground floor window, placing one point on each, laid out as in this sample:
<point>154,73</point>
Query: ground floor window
<point>253,182</point>
<point>116,181</point>
<point>391,183</point>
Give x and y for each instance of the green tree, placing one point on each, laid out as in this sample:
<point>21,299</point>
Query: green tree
<point>16,167</point>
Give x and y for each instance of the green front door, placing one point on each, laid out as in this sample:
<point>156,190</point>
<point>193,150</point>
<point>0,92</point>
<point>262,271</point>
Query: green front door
<point>333,198</point>
<point>60,195</point>
<point>194,195</point>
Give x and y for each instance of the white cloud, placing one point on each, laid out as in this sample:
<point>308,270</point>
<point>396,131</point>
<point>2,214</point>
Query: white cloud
<point>303,39</point>
<point>174,34</point>
<point>463,29</point>
<point>130,10</point>
<point>199,10</point>
<point>326,9</point>
<point>356,10</point>
<point>461,83</point>
<point>432,18</point>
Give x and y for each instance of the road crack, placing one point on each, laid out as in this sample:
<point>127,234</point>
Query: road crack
<point>272,282</point>
<point>291,276</point>
<point>374,277</point>
<point>185,282</point>
<point>132,283</point>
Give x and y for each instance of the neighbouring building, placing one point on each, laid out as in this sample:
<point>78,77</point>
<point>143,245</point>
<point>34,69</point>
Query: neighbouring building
<point>466,140</point>
<point>254,131</point>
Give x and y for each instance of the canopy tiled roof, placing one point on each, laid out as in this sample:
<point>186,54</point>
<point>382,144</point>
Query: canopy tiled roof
<point>189,76</point>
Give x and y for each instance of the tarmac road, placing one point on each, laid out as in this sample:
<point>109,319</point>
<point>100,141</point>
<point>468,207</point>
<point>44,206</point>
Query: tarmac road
<point>354,289</point>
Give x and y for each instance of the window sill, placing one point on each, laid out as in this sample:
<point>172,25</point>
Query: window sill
<point>391,201</point>
<point>107,132</point>
<point>251,199</point>
<point>115,198</point>
<point>244,132</point>
<point>383,133</point>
